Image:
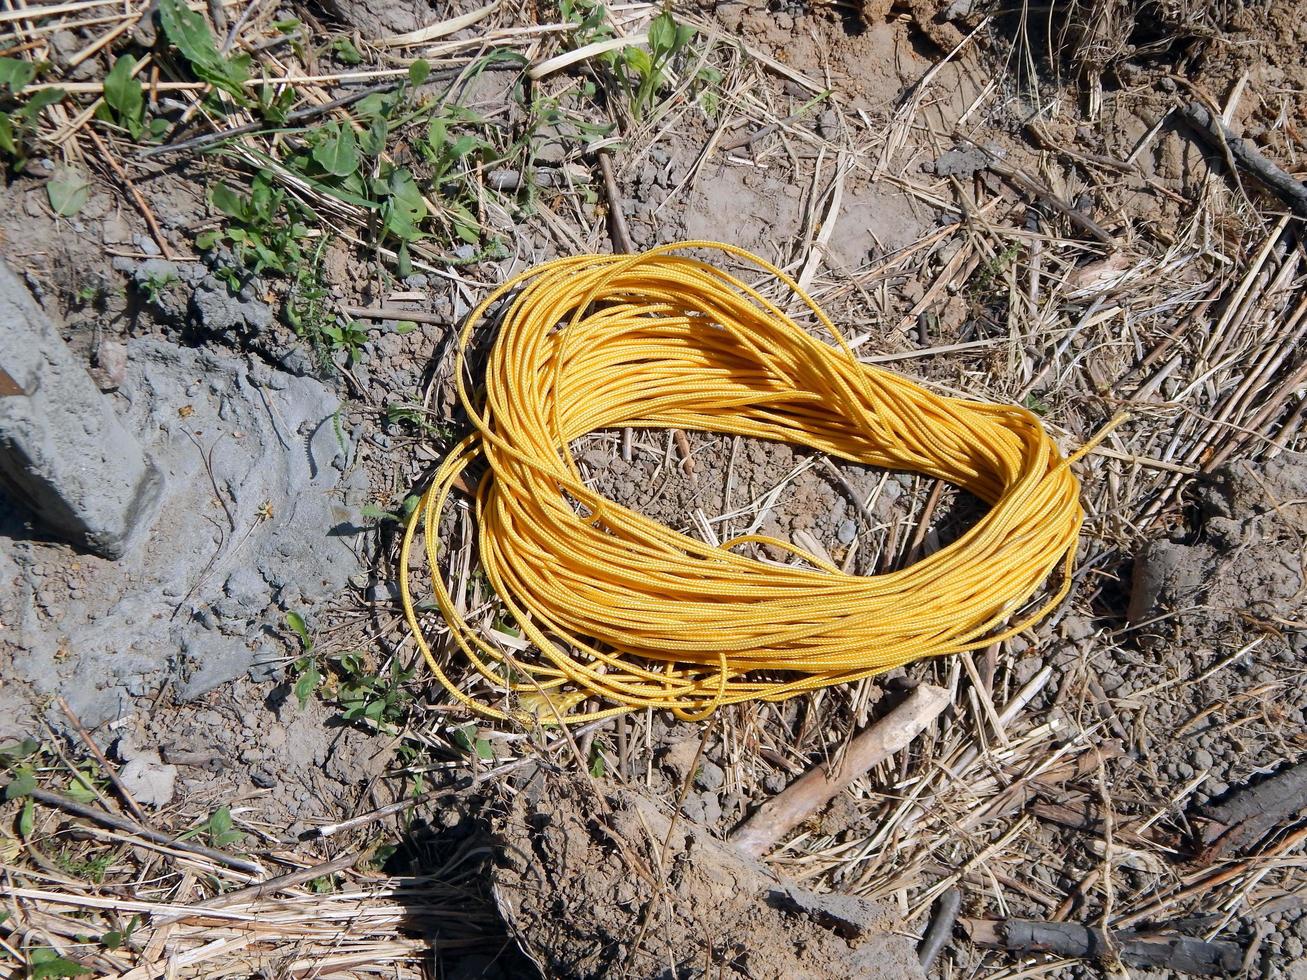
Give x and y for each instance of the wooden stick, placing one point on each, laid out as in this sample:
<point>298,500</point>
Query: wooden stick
<point>270,886</point>
<point>61,802</point>
<point>108,770</point>
<point>394,313</point>
<point>1184,954</point>
<point>941,928</point>
<point>144,208</point>
<point>782,813</point>
<point>1213,131</point>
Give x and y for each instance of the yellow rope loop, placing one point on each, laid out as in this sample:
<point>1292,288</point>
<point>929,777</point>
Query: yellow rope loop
<point>628,611</point>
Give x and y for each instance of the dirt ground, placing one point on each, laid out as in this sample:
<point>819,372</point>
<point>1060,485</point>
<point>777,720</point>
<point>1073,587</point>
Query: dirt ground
<point>1007,203</point>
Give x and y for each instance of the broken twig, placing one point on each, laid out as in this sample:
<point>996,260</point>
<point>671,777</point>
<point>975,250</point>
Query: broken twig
<point>1290,190</point>
<point>782,813</point>
<point>1154,948</point>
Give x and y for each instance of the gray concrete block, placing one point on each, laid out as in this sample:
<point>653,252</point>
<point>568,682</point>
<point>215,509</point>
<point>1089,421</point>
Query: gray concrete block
<point>64,452</point>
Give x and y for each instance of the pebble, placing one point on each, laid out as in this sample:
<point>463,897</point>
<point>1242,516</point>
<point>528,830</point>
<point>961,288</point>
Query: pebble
<point>847,532</point>
<point>383,592</point>
<point>1202,760</point>
<point>710,775</point>
<point>146,244</point>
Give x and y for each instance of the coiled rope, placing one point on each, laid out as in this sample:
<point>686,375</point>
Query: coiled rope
<point>626,610</point>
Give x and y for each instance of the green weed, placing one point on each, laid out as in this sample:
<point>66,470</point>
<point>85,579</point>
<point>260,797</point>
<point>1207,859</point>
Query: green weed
<point>83,867</point>
<point>124,102</point>
<point>265,228</point>
<point>190,35</point>
<point>154,285</point>
<point>44,962</point>
<point>378,700</point>
<point>18,117</point>
<point>218,829</point>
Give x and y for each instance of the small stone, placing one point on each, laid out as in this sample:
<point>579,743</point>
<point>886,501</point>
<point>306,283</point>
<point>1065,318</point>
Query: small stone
<point>114,230</point>
<point>383,592</point>
<point>1202,760</point>
<point>263,779</point>
<point>111,359</point>
<point>847,532</point>
<point>149,780</point>
<point>146,244</point>
<point>709,776</point>
<point>504,179</point>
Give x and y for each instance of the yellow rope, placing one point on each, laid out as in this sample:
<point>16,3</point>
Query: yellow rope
<point>623,609</point>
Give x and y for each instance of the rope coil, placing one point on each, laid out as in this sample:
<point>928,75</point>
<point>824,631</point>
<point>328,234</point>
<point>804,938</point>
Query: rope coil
<point>624,609</point>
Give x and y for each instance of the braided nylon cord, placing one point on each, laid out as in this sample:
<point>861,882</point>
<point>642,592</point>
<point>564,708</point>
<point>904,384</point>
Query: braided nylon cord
<point>626,610</point>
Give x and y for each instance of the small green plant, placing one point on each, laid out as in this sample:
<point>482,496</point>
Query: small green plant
<point>189,33</point>
<point>124,102</point>
<point>345,51</point>
<point>155,284</point>
<point>399,515</point>
<point>18,117</point>
<point>307,675</point>
<point>43,962</point>
<point>265,229</point>
<point>83,867</point>
<point>667,40</point>
<point>117,938</point>
<point>68,191</point>
<point>469,739</point>
<point>378,700</point>
<point>1036,404</point>
<point>346,335</point>
<point>218,829</point>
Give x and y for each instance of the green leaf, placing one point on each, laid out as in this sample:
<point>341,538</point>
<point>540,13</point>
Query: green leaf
<point>404,191</point>
<point>465,737</point>
<point>229,202</point>
<point>465,224</point>
<point>306,684</point>
<point>296,622</point>
<point>684,35</point>
<point>403,261</point>
<point>220,822</point>
<point>338,152</point>
<point>662,33</point>
<point>21,785</point>
<point>205,240</point>
<point>12,752</point>
<point>124,94</point>
<point>190,33</point>
<point>286,26</point>
<point>639,60</point>
<point>405,326</point>
<point>418,72</point>
<point>40,99</point>
<point>81,789</point>
<point>411,503</point>
<point>375,513</point>
<point>27,818</point>
<point>484,751</point>
<point>344,49</point>
<point>68,192</point>
<point>15,73</point>
<point>373,139</point>
<point>48,963</point>
<point>7,135</point>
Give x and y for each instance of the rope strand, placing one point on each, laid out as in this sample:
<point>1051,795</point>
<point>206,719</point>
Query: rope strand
<point>624,609</point>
